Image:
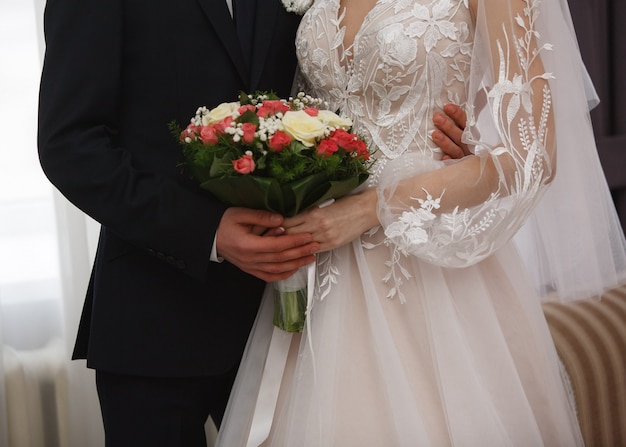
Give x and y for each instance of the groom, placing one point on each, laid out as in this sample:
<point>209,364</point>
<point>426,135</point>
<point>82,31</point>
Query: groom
<point>164,322</point>
<point>163,325</point>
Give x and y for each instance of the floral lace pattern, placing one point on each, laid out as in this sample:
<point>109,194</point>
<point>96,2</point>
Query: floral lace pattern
<point>409,59</point>
<point>297,6</point>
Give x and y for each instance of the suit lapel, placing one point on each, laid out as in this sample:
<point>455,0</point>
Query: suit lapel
<point>217,13</point>
<point>263,34</point>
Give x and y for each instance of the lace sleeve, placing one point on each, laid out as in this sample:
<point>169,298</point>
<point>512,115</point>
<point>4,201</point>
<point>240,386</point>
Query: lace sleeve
<point>458,214</point>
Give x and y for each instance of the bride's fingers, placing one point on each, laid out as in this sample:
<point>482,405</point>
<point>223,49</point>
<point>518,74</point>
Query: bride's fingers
<point>276,231</point>
<point>298,226</point>
<point>305,222</point>
<point>295,223</point>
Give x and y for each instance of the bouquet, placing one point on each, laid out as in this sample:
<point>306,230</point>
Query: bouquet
<point>281,155</point>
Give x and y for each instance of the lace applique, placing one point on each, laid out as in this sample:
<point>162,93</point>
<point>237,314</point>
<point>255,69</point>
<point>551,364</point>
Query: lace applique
<point>409,229</point>
<point>297,6</point>
<point>327,273</point>
<point>397,273</point>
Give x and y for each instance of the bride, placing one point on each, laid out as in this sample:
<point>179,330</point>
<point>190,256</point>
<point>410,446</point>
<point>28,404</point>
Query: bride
<point>426,326</point>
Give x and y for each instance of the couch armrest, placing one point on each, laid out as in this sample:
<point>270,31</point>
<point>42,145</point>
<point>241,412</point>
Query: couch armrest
<point>590,338</point>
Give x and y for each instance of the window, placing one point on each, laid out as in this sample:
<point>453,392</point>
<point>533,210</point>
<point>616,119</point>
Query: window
<point>30,286</point>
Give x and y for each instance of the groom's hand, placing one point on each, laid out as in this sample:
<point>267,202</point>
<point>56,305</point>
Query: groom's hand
<point>447,136</point>
<point>272,256</point>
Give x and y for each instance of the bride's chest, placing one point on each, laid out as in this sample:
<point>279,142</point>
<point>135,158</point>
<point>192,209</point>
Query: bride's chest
<point>396,35</point>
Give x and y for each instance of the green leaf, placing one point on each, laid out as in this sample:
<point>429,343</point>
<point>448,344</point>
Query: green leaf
<point>298,192</point>
<point>333,190</point>
<point>221,165</point>
<point>247,191</point>
<point>289,199</point>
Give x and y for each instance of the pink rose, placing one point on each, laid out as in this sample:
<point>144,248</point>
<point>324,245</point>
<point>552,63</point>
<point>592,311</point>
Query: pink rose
<point>248,132</point>
<point>312,111</point>
<point>244,165</point>
<point>208,134</point>
<point>246,108</point>
<point>222,125</point>
<point>189,134</point>
<point>272,107</point>
<point>279,141</point>
<point>327,148</point>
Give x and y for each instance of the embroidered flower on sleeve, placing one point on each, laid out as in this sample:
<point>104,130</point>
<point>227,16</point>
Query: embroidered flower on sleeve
<point>409,230</point>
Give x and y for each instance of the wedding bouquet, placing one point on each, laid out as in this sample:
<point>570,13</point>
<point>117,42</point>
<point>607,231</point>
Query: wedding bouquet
<point>281,155</point>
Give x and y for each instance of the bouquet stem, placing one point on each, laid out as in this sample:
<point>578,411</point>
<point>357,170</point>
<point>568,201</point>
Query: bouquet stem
<point>290,302</point>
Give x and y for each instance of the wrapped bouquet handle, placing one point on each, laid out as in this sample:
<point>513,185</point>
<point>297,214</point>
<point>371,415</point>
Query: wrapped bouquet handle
<point>290,301</point>
<point>293,297</point>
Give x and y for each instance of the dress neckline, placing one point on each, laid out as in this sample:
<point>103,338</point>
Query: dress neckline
<point>347,51</point>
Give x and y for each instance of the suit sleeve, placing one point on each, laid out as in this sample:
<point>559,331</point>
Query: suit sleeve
<point>88,149</point>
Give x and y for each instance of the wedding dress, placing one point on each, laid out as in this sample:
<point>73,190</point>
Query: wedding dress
<point>428,330</point>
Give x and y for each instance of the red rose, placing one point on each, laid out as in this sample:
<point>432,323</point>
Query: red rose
<point>361,150</point>
<point>208,134</point>
<point>312,111</point>
<point>244,165</point>
<point>248,132</point>
<point>327,148</point>
<point>279,141</point>
<point>272,107</point>
<point>344,139</point>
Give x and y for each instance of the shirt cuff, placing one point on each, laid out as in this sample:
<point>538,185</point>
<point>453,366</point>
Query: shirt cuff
<point>214,256</point>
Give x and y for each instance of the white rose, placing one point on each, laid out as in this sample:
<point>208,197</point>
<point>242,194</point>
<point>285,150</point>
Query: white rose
<point>303,127</point>
<point>333,120</point>
<point>219,113</point>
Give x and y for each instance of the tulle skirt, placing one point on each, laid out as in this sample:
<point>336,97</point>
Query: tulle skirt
<point>467,360</point>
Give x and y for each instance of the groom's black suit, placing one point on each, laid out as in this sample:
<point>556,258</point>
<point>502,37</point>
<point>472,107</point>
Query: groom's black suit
<point>116,73</point>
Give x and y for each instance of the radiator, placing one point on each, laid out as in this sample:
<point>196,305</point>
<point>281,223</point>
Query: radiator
<point>36,389</point>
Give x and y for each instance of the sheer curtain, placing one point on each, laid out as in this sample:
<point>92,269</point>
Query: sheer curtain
<point>46,247</point>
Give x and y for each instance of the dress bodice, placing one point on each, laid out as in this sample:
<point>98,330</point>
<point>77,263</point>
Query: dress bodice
<point>407,60</point>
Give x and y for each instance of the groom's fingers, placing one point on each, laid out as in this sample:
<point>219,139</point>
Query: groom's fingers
<point>457,114</point>
<point>270,258</point>
<point>275,265</point>
<point>450,126</point>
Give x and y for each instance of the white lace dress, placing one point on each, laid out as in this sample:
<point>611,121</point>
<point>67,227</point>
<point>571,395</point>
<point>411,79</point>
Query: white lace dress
<point>426,331</point>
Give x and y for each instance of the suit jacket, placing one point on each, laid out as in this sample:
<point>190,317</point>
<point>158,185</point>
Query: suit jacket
<point>116,72</point>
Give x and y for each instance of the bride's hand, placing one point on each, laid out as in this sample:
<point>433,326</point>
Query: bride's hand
<point>339,223</point>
